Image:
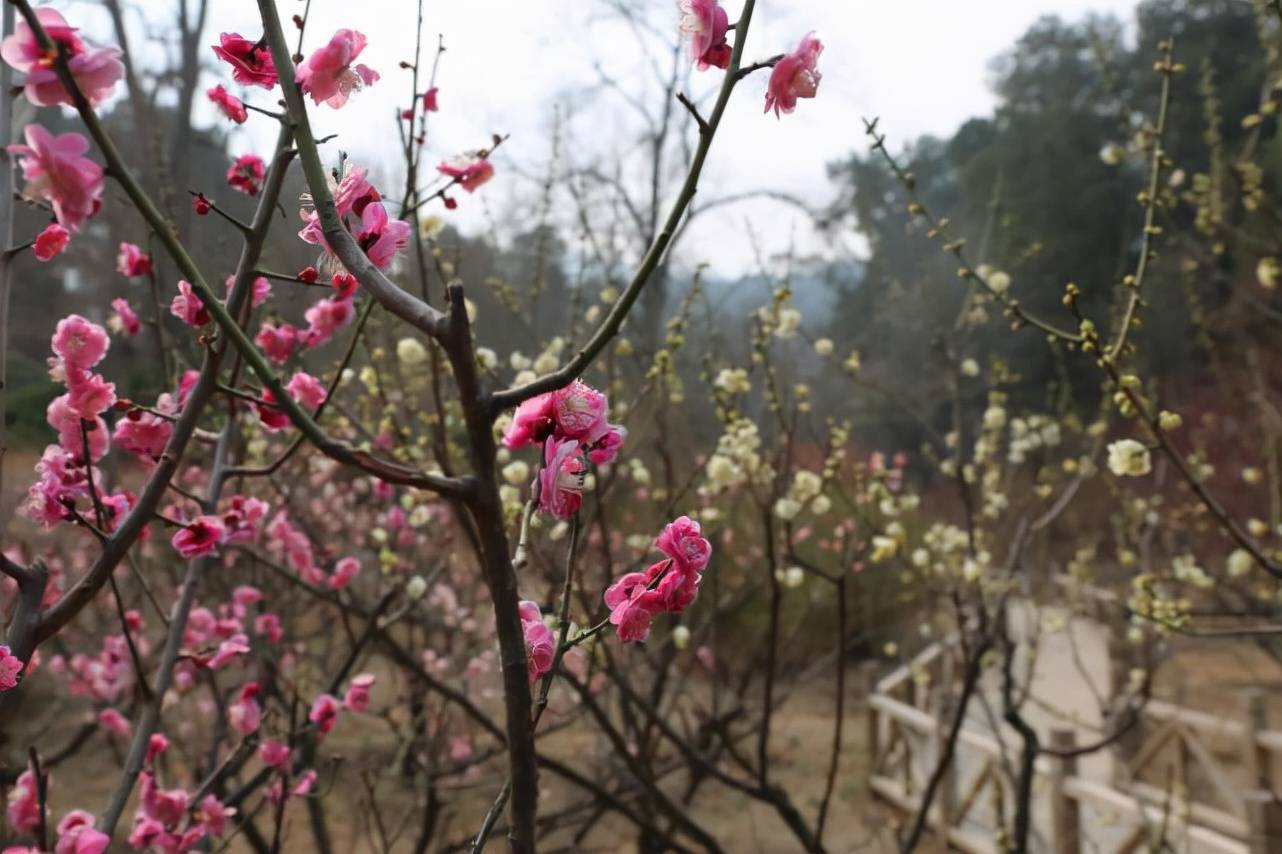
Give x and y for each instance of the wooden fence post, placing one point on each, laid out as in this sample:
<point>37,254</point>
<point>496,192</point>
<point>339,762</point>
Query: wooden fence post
<point>1122,657</point>
<point>1259,761</point>
<point>873,724</point>
<point>1264,822</point>
<point>1066,837</point>
<point>942,709</point>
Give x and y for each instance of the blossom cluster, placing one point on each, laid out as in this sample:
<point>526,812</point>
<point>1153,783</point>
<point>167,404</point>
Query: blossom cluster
<point>794,76</point>
<point>571,424</point>
<point>669,585</point>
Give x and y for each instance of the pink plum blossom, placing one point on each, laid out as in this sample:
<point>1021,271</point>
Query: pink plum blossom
<point>58,172</point>
<point>706,23</point>
<point>199,537</point>
<point>344,571</point>
<point>381,238</point>
<point>114,722</point>
<point>96,69</point>
<point>561,479</point>
<point>212,814</point>
<point>306,389</point>
<point>230,106</point>
<point>669,585</point>
<point>468,173</point>
<point>88,393</point>
<point>540,645</point>
<point>10,667</point>
<point>241,518</point>
<point>328,74</point>
<point>632,606</point>
<point>273,753</point>
<point>277,341</point>
<point>261,289</point>
<point>271,417</point>
<point>144,434</point>
<point>251,62</point>
<point>682,540</point>
<point>188,307</point>
<point>80,343</point>
<point>795,76</point>
<point>125,319</point>
<point>246,174</point>
<point>324,713</point>
<point>533,422</point>
<point>605,449</point>
<point>580,411</point>
<point>430,100</point>
<point>50,242</point>
<point>156,745</point>
<point>324,319</point>
<point>76,835</point>
<point>245,715</point>
<point>23,812</point>
<point>166,806</point>
<point>131,261</point>
<point>357,697</point>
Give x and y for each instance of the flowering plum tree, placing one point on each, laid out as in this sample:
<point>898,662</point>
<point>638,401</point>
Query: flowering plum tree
<point>195,476</point>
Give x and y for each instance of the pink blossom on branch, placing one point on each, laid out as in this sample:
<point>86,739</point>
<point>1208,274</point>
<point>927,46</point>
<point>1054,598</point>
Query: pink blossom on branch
<point>58,172</point>
<point>795,76</point>
<point>707,24</point>
<point>381,238</point>
<point>199,537</point>
<point>230,106</point>
<point>533,422</point>
<point>77,835</point>
<point>632,606</point>
<point>114,723</point>
<point>328,74</point>
<point>24,804</point>
<point>125,318</point>
<point>79,343</point>
<point>306,389</point>
<point>540,645</point>
<point>468,173</point>
<point>131,261</point>
<point>246,174</point>
<point>262,290</point>
<point>88,393</point>
<point>669,585</point>
<point>10,667</point>
<point>683,541</point>
<point>96,70</point>
<point>561,478</point>
<point>145,434</point>
<point>344,572</point>
<point>50,242</point>
<point>251,62</point>
<point>580,411</point>
<point>277,341</point>
<point>324,713</point>
<point>357,697</point>
<point>245,714</point>
<point>187,307</point>
<point>273,753</point>
<point>430,100</point>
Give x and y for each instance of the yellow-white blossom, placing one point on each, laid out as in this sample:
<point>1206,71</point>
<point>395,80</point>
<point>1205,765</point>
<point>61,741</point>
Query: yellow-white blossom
<point>1127,457</point>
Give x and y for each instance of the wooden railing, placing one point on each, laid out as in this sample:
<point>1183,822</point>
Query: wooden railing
<point>1203,803</point>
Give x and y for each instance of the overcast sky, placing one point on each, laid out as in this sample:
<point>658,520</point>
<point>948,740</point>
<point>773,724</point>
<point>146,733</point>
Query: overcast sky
<point>921,65</point>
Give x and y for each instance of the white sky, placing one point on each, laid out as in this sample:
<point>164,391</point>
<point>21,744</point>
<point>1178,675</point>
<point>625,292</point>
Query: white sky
<point>921,65</point>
